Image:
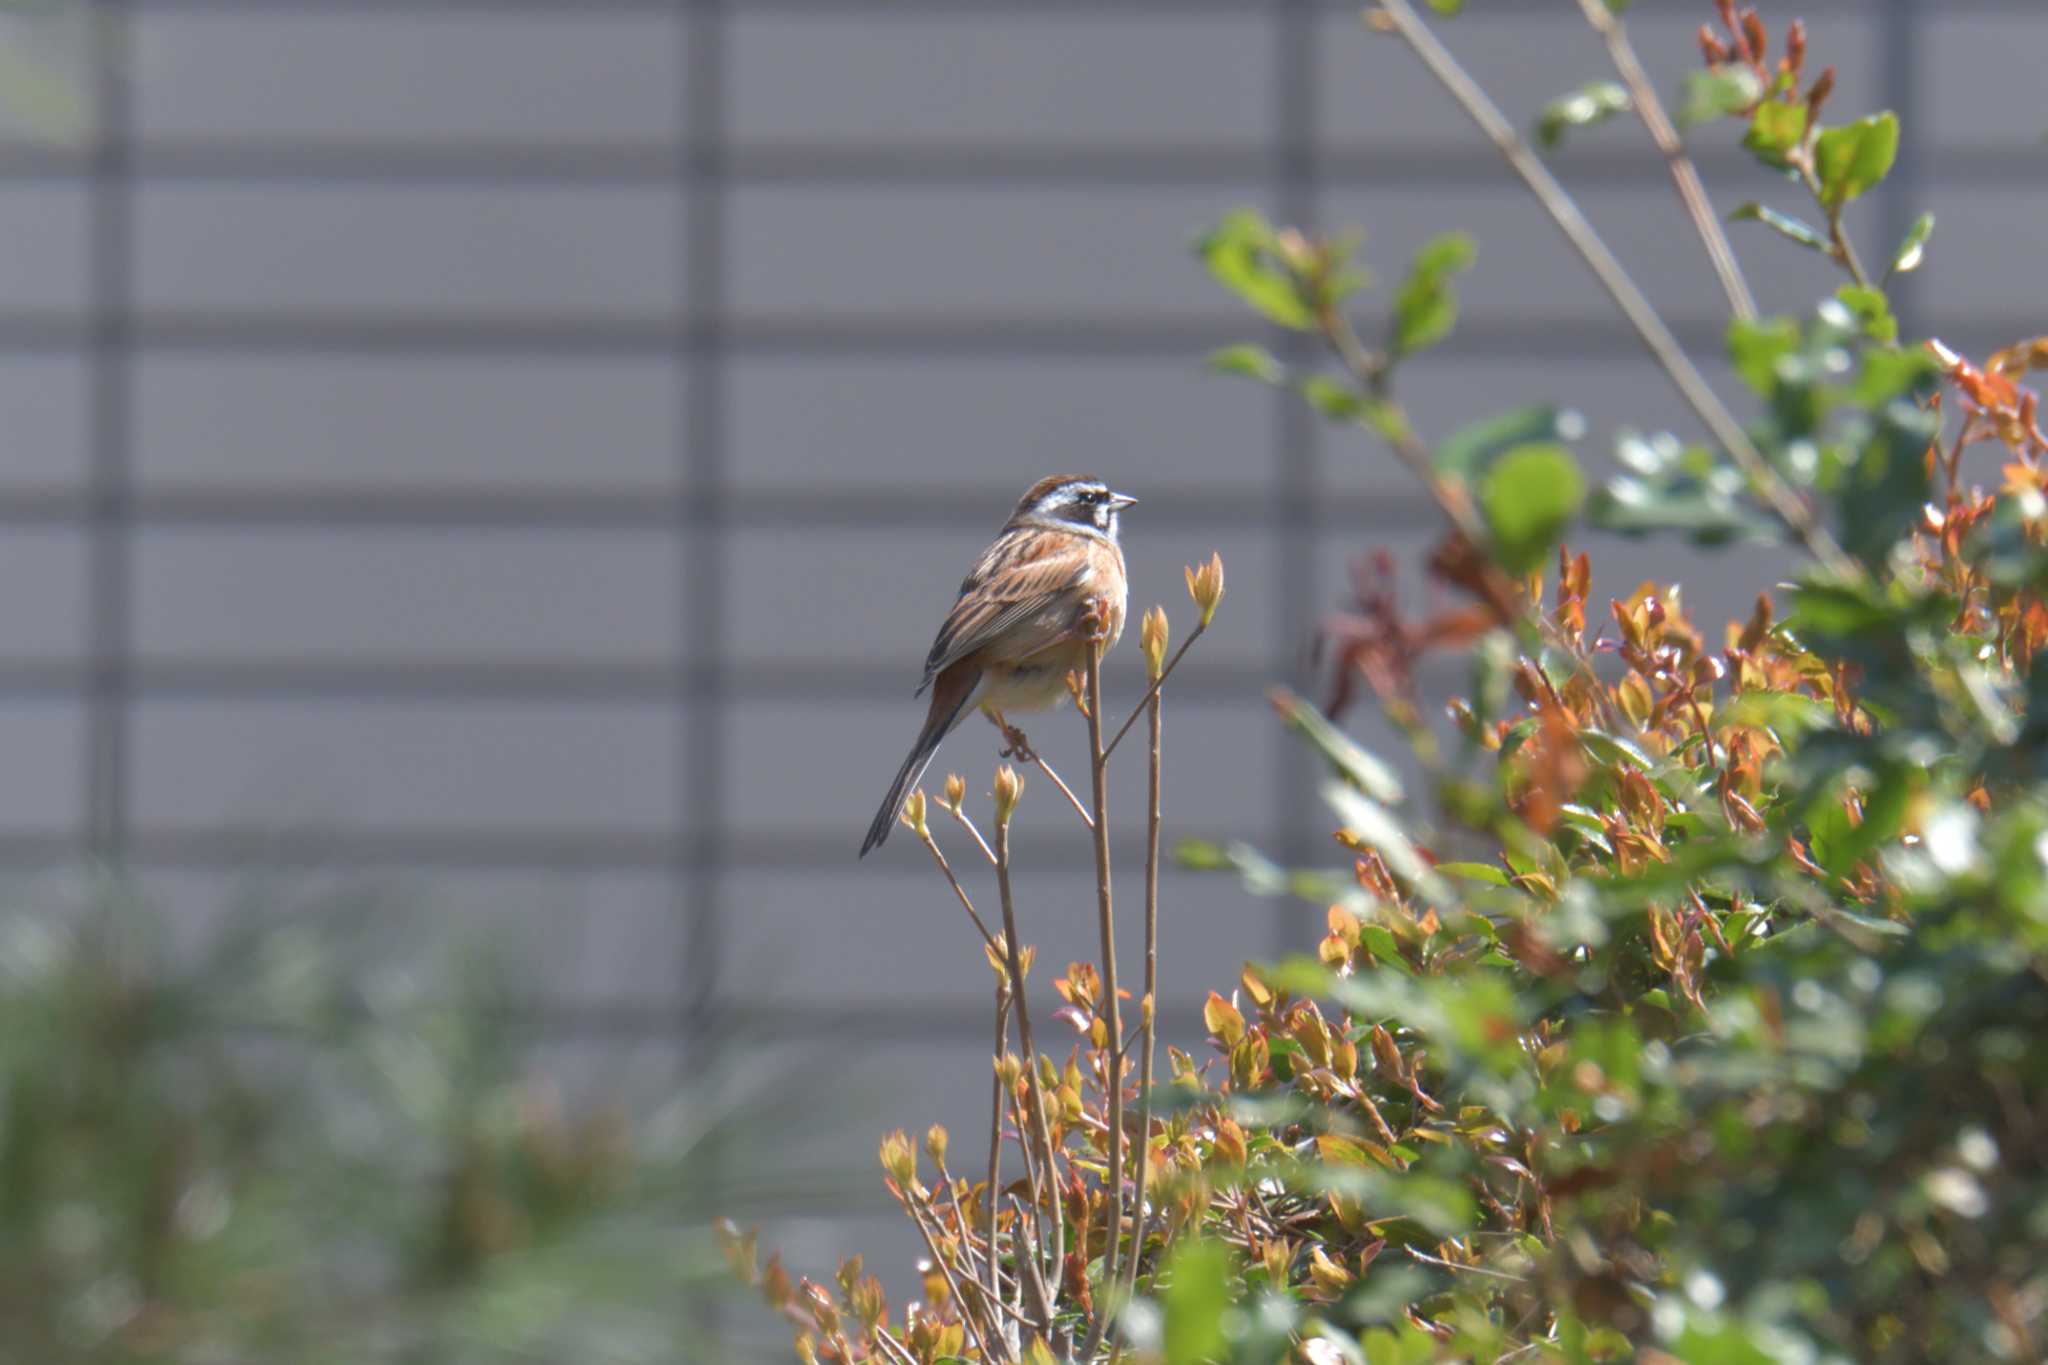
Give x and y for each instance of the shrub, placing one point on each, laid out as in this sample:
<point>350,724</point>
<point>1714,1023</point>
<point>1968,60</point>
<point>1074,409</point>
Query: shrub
<point>1697,1014</point>
<point>322,1136</point>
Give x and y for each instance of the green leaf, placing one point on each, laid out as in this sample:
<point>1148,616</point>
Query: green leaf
<point>1474,872</point>
<point>1469,450</point>
<point>1196,1299</point>
<point>1873,312</point>
<point>1427,306</point>
<point>1529,496</point>
<point>1784,224</point>
<point>1709,95</point>
<point>1914,248</point>
<point>1333,398</point>
<point>1253,362</point>
<point>1775,129</point>
<point>1586,107</point>
<point>1239,254</point>
<point>1352,762</point>
<point>1852,159</point>
<point>1754,348</point>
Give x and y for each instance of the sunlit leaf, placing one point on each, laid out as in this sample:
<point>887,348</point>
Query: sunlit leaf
<point>1426,307</point>
<point>1709,95</point>
<point>1775,128</point>
<point>1852,159</point>
<point>1586,107</point>
<point>1239,254</point>
<point>1528,498</point>
<point>1469,450</point>
<point>1253,362</point>
<point>1913,249</point>
<point>1784,224</point>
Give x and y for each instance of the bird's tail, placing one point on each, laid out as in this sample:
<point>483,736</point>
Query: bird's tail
<point>936,727</point>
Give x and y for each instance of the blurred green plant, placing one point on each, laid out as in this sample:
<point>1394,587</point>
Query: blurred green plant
<point>1699,1015</point>
<point>328,1137</point>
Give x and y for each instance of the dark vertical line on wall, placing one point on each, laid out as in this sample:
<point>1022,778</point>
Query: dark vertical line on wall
<point>1903,199</point>
<point>110,262</point>
<point>701,756</point>
<point>1295,526</point>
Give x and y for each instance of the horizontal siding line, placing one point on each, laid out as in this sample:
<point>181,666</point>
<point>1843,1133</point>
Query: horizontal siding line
<point>664,165</point>
<point>762,336</point>
<point>768,336</point>
<point>1396,507</point>
<point>309,849</point>
<point>228,677</point>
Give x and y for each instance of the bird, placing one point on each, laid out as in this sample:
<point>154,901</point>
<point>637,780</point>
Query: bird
<point>1025,618</point>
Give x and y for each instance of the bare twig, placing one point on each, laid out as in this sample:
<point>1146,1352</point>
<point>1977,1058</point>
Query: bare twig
<point>995,1132</point>
<point>1099,766</point>
<point>932,847</point>
<point>1065,790</point>
<point>968,1318</point>
<point>1642,93</point>
<point>1153,690</point>
<point>1046,1185</point>
<point>967,823</point>
<point>1148,1010</point>
<point>1783,501</point>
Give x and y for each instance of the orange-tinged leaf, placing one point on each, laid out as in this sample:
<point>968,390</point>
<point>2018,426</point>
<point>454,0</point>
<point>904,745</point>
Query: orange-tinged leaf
<point>1223,1020</point>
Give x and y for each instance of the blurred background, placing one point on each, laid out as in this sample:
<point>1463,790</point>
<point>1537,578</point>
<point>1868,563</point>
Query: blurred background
<point>502,461</point>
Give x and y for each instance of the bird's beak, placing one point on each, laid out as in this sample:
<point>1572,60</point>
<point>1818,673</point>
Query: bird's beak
<point>1119,501</point>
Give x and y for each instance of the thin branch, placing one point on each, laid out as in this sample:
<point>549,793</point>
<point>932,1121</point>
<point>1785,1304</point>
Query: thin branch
<point>1427,1259</point>
<point>1065,790</point>
<point>1783,501</point>
<point>1046,1185</point>
<point>968,1318</point>
<point>995,1132</point>
<point>1021,750</point>
<point>1035,1280</point>
<point>1153,690</point>
<point>1642,92</point>
<point>902,1352</point>
<point>967,823</point>
<point>932,846</point>
<point>1149,1008</point>
<point>1106,917</point>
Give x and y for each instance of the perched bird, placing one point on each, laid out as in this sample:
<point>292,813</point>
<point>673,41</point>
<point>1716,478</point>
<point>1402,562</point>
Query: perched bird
<point>1023,618</point>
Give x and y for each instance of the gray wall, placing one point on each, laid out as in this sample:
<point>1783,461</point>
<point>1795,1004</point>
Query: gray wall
<point>522,449</point>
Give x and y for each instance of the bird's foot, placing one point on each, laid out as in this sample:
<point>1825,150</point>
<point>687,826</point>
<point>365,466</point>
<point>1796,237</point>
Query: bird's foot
<point>1015,744</point>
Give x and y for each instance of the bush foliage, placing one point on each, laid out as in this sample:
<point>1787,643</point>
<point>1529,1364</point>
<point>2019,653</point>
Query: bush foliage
<point>1695,1012</point>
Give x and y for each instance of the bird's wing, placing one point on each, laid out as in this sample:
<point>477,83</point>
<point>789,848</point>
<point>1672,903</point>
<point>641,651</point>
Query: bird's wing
<point>1021,596</point>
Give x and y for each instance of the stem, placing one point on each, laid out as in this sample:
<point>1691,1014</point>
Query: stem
<point>1153,690</point>
<point>1065,790</point>
<point>975,1328</point>
<point>967,822</point>
<point>995,1135</point>
<point>1684,175</point>
<point>1147,1020</point>
<point>1656,337</point>
<point>1099,767</point>
<point>931,845</point>
<point>1049,1167</point>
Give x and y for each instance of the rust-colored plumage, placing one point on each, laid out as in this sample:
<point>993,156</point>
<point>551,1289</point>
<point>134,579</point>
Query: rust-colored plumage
<point>1019,625</point>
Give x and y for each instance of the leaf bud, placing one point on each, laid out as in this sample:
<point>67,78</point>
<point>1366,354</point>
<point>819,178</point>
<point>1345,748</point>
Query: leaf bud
<point>1009,786</point>
<point>1152,633</point>
<point>1205,585</point>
